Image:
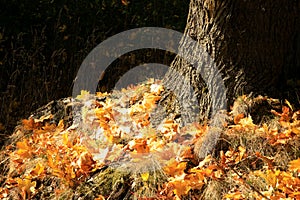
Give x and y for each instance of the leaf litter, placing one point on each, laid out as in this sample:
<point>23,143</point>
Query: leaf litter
<point>112,151</point>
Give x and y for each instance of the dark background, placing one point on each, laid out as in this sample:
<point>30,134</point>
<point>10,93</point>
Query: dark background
<point>43,43</point>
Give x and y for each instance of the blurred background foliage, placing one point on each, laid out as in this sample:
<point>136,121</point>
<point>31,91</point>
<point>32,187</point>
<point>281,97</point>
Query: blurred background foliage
<point>43,43</point>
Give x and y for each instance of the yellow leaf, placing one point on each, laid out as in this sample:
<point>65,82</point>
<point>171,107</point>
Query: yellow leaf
<point>235,195</point>
<point>26,186</point>
<point>24,150</point>
<point>241,153</point>
<point>270,176</point>
<point>38,170</point>
<point>4,192</point>
<point>295,165</point>
<point>206,160</point>
<point>289,104</point>
<point>83,95</point>
<point>150,100</point>
<point>70,172</point>
<point>50,159</point>
<point>247,122</point>
<point>65,139</point>
<point>145,176</point>
<point>238,118</point>
<point>296,130</point>
<point>181,188</point>
<point>175,168</point>
<point>23,145</point>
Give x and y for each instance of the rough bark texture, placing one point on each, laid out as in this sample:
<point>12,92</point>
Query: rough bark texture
<point>254,44</point>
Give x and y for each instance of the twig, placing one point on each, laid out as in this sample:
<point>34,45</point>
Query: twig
<point>251,186</point>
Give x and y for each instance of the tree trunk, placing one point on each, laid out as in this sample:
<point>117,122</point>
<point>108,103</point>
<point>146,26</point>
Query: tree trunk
<point>253,43</point>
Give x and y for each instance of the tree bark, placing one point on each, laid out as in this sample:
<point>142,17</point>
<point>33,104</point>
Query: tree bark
<point>253,43</point>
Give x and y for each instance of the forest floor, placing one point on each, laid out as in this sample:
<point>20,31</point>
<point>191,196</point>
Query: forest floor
<point>112,151</point>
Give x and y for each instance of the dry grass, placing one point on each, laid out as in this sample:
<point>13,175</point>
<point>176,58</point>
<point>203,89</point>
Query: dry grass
<point>250,161</point>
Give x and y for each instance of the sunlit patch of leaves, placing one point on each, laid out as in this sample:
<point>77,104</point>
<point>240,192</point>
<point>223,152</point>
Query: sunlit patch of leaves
<point>113,151</point>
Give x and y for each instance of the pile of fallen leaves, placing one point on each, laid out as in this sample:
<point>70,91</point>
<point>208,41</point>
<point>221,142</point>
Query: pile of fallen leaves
<point>112,151</point>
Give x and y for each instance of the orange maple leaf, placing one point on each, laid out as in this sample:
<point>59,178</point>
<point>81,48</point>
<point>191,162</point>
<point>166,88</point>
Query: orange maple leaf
<point>295,165</point>
<point>139,145</point>
<point>26,186</point>
<point>38,170</point>
<point>29,124</point>
<point>238,118</point>
<point>85,161</point>
<point>175,168</point>
<point>24,150</point>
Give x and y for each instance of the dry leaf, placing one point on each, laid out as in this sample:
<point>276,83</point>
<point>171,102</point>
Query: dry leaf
<point>145,176</point>
<point>175,168</point>
<point>295,165</point>
<point>38,170</point>
<point>238,118</point>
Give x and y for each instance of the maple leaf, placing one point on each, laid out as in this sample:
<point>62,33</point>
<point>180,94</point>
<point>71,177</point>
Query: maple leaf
<point>145,176</point>
<point>270,176</point>
<point>85,161</point>
<point>246,122</point>
<point>296,130</point>
<point>139,145</point>
<point>143,119</point>
<point>231,156</point>
<point>26,186</point>
<point>187,153</point>
<point>181,185</point>
<point>238,118</point>
<point>181,188</point>
<point>38,170</point>
<point>69,174</point>
<point>83,95</point>
<point>53,160</point>
<point>175,168</point>
<point>29,124</point>
<point>24,150</point>
<point>206,160</point>
<point>295,165</point>
<point>65,137</point>
<point>4,192</point>
<point>169,129</point>
<point>150,100</point>
<point>234,195</point>
<point>285,116</point>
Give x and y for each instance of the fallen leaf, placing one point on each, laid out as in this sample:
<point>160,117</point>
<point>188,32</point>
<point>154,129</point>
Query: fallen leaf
<point>295,165</point>
<point>238,118</point>
<point>145,176</point>
<point>38,170</point>
<point>175,168</point>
